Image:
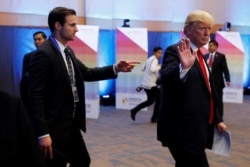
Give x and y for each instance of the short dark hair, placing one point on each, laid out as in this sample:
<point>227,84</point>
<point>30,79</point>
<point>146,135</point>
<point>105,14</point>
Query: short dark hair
<point>40,32</point>
<point>58,14</point>
<point>213,41</point>
<point>157,48</point>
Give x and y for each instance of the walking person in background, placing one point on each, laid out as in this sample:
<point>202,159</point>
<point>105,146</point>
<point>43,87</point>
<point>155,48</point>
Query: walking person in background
<point>218,65</point>
<point>188,108</point>
<point>151,74</point>
<point>38,38</point>
<point>57,95</point>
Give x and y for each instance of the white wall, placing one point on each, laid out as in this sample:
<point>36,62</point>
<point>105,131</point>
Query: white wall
<point>235,11</point>
<point>173,11</point>
<point>39,7</point>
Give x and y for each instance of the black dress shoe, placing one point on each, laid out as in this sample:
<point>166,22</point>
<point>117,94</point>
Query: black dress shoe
<point>132,114</point>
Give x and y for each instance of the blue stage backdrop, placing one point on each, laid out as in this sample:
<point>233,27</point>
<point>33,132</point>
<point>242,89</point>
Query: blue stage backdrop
<point>106,56</point>
<point>17,41</point>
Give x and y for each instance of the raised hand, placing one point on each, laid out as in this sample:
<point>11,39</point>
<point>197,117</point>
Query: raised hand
<point>187,58</point>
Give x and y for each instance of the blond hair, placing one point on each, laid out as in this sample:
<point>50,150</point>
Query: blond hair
<point>198,15</point>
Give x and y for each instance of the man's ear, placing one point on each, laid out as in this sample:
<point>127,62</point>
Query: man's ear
<point>186,30</point>
<point>57,26</point>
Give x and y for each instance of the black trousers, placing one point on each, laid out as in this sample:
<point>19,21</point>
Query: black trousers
<point>153,96</point>
<point>73,151</point>
<point>220,102</point>
<point>186,159</point>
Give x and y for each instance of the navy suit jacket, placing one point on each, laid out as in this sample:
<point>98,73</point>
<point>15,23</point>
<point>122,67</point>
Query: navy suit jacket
<point>51,103</point>
<point>185,106</point>
<point>24,79</point>
<point>220,72</point>
<point>18,143</point>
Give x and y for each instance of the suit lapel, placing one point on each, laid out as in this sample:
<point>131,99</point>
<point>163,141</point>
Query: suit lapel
<point>61,62</point>
<point>216,56</point>
<point>197,66</point>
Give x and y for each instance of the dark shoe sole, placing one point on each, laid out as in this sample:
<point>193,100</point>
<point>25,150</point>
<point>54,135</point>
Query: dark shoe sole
<point>132,115</point>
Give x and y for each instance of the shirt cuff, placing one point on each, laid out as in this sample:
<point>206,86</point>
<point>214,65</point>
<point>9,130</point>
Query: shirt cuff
<point>183,72</point>
<point>114,69</point>
<point>43,136</point>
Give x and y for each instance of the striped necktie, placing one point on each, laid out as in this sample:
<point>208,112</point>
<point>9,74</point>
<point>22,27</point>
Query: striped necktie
<point>69,64</point>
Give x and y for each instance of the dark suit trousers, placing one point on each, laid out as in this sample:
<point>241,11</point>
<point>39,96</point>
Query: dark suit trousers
<point>153,95</point>
<point>220,102</point>
<point>184,159</point>
<point>73,151</point>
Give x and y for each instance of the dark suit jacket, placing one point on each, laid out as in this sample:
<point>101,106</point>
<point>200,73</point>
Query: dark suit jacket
<point>51,103</point>
<point>220,70</point>
<point>184,109</point>
<point>25,75</point>
<point>18,144</point>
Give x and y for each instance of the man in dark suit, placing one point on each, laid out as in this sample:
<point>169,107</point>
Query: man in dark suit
<point>56,97</point>
<point>39,37</point>
<point>218,65</point>
<point>188,109</point>
<point>18,144</point>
